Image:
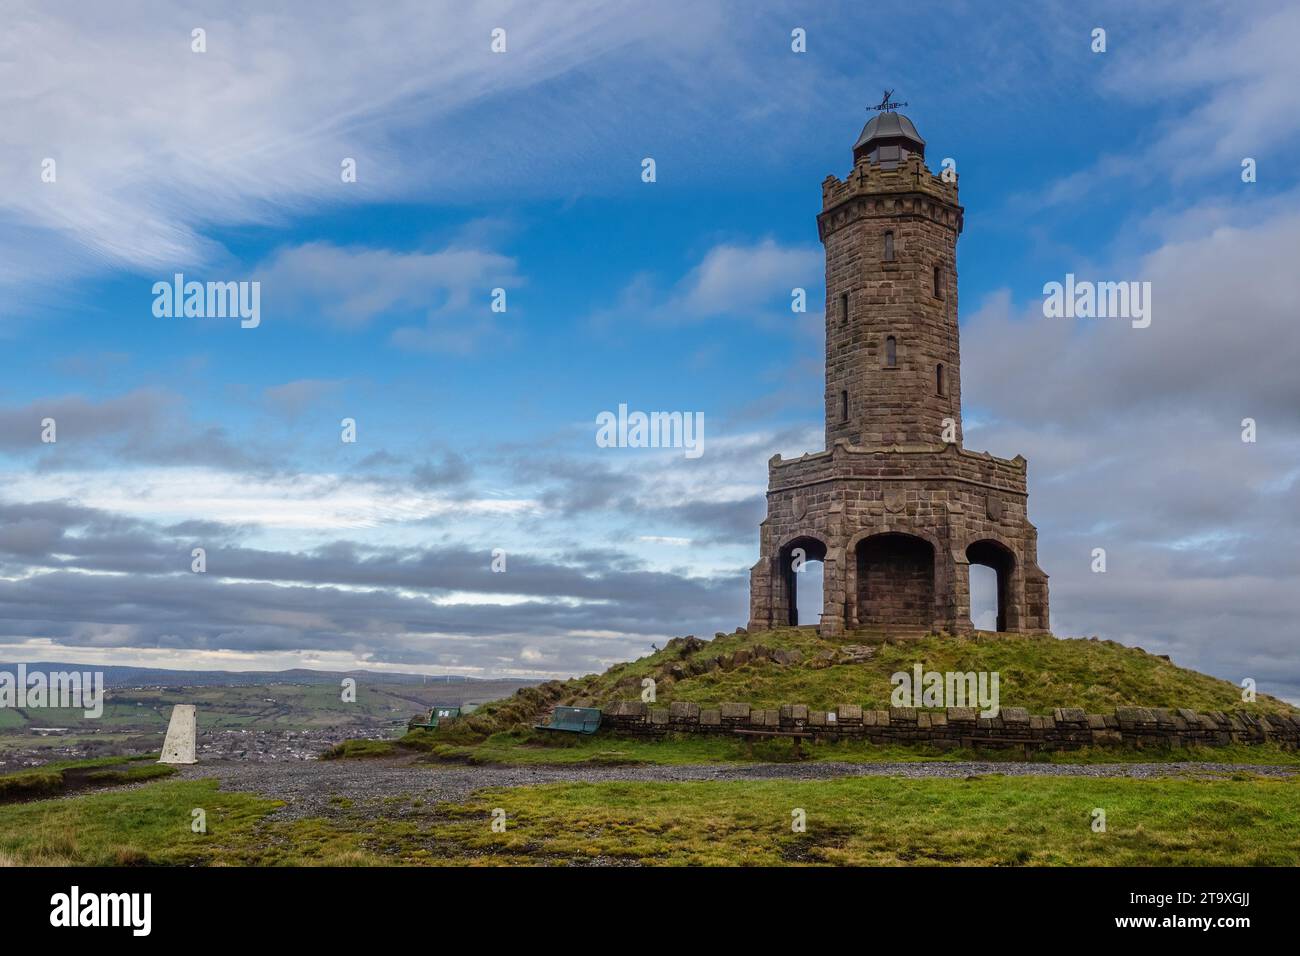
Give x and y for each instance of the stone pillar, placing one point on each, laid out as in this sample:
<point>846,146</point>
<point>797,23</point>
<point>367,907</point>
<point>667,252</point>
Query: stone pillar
<point>1036,615</point>
<point>179,745</point>
<point>1016,598</point>
<point>961,622</point>
<point>832,619</point>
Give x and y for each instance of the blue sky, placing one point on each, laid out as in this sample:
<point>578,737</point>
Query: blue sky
<point>522,170</point>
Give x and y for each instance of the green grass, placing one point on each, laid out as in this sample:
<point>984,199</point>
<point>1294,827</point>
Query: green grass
<point>991,820</point>
<point>150,825</point>
<point>995,821</point>
<point>101,778</point>
<point>55,778</point>
<point>1037,672</point>
<point>353,748</point>
<point>522,747</point>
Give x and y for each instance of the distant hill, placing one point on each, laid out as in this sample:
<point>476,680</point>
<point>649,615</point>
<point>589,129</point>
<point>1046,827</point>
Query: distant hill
<point>140,699</point>
<point>115,676</point>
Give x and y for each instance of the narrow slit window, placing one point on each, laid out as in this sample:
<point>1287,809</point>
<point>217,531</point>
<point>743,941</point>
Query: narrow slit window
<point>938,380</point>
<point>844,308</point>
<point>891,352</point>
<point>938,283</point>
<point>844,406</point>
<point>889,246</point>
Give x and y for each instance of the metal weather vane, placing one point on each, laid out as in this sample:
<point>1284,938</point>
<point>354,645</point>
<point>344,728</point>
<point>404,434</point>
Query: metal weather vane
<point>885,105</point>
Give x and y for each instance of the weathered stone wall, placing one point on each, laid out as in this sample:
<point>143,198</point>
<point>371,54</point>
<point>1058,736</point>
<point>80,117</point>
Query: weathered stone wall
<point>1065,729</point>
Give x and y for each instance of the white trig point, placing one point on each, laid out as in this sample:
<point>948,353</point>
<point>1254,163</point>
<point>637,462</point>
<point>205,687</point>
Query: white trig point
<point>179,745</point>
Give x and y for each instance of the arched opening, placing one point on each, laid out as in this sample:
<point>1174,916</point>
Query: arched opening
<point>939,386</point>
<point>983,598</point>
<point>993,556</point>
<point>891,352</point>
<point>803,564</point>
<point>895,581</point>
<point>889,246</point>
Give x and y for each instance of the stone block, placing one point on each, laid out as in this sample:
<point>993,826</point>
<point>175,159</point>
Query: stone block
<point>683,710</point>
<point>1015,716</point>
<point>627,708</point>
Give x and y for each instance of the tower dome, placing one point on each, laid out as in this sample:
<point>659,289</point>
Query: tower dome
<point>887,140</point>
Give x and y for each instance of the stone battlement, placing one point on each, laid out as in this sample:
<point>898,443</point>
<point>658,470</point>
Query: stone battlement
<point>892,192</point>
<point>1067,728</point>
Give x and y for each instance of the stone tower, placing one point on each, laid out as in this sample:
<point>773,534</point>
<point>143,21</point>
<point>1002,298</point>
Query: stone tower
<point>895,507</point>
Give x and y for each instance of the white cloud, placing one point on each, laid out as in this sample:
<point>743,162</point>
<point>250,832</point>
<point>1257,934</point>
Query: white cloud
<point>732,278</point>
<point>155,145</point>
<point>299,502</point>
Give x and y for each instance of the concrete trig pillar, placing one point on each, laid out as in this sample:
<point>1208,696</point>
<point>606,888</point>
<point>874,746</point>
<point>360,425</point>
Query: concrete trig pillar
<point>179,745</point>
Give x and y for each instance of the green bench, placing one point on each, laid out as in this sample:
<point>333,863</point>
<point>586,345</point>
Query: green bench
<point>435,715</point>
<point>573,720</point>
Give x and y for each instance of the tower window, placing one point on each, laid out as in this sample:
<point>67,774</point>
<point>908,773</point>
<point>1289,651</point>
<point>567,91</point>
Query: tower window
<point>938,380</point>
<point>844,406</point>
<point>844,308</point>
<point>889,246</point>
<point>891,352</point>
<point>938,282</point>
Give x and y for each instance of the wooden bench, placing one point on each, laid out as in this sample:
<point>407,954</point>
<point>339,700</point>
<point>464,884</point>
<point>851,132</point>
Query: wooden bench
<point>796,736</point>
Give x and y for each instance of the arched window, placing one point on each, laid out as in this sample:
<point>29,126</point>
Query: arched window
<point>844,406</point>
<point>938,283</point>
<point>844,308</point>
<point>938,380</point>
<point>891,352</point>
<point>889,246</point>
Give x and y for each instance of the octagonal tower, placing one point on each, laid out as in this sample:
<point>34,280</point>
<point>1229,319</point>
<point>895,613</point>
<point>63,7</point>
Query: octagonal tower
<point>895,507</point>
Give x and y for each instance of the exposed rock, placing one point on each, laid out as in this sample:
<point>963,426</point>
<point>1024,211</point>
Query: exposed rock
<point>856,653</point>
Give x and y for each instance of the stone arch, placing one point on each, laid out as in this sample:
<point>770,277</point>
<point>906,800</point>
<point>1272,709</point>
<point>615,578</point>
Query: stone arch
<point>990,552</point>
<point>814,549</point>
<point>895,577</point>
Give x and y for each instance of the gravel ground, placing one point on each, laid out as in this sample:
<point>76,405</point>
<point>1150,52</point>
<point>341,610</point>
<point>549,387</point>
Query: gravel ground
<point>313,788</point>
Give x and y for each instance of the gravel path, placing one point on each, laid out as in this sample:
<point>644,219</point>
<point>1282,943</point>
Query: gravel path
<point>315,788</point>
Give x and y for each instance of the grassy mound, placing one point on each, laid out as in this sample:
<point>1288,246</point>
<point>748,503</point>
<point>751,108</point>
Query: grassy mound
<point>798,666</point>
<point>55,779</point>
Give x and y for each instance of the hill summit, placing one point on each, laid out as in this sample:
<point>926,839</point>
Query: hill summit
<point>797,665</point>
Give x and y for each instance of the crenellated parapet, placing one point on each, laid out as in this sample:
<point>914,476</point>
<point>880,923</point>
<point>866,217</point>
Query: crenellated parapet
<point>870,192</point>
